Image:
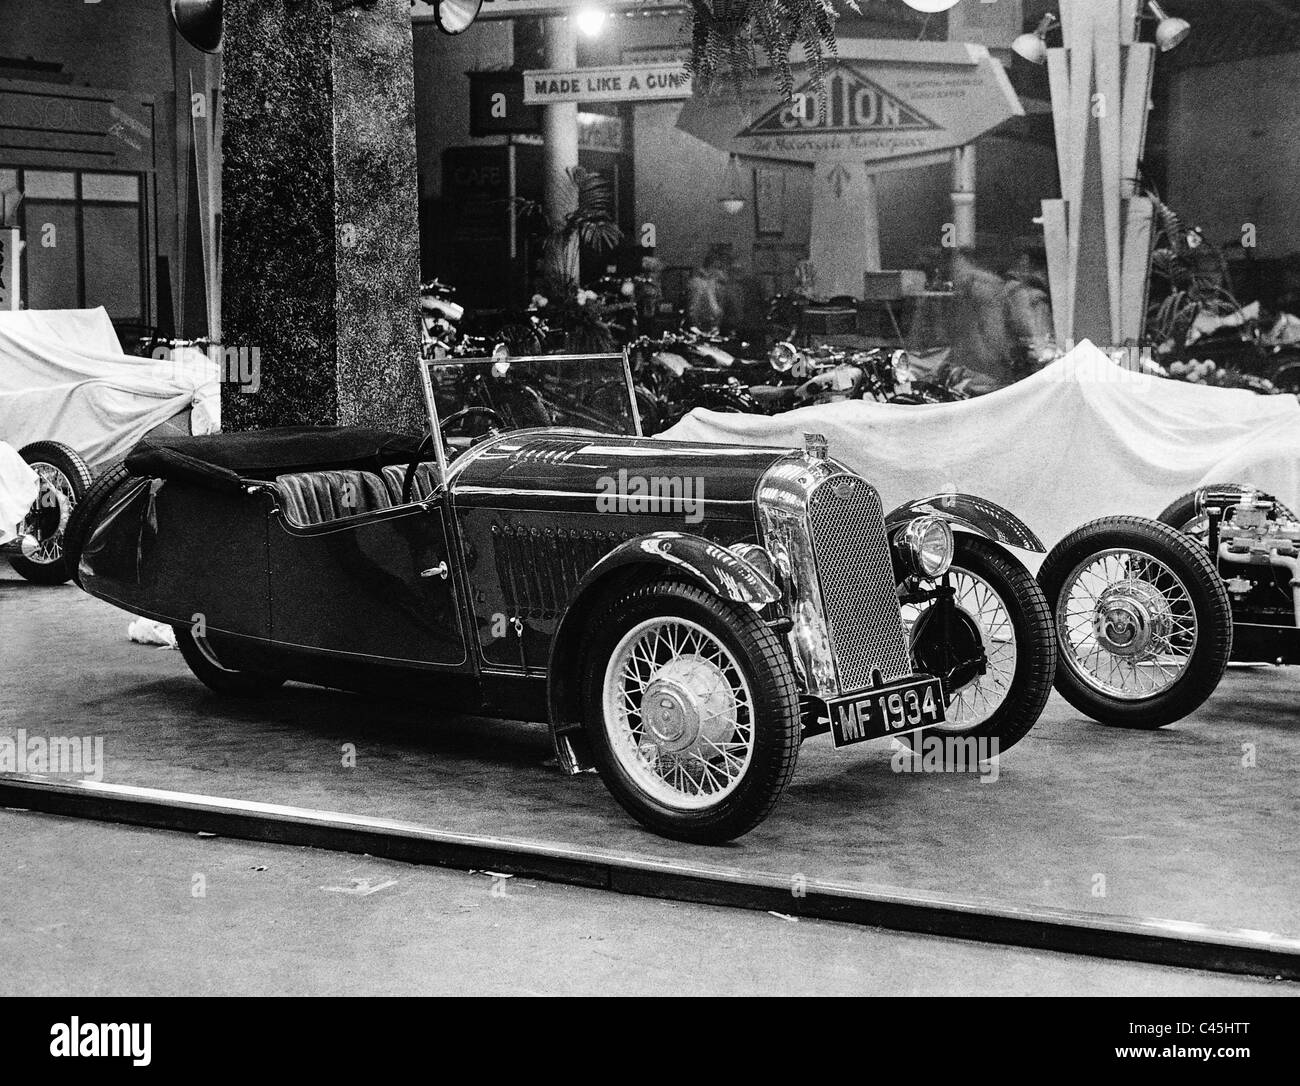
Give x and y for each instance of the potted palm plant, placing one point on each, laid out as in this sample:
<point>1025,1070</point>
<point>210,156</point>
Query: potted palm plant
<point>578,314</point>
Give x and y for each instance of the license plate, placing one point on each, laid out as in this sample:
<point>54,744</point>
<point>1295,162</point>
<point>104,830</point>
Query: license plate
<point>887,710</point>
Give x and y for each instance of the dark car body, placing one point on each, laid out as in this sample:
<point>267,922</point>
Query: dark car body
<point>357,560</point>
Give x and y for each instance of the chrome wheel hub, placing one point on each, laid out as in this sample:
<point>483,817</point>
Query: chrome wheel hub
<point>678,713</point>
<point>688,703</point>
<point>1125,624</point>
<point>670,717</point>
<point>1131,617</point>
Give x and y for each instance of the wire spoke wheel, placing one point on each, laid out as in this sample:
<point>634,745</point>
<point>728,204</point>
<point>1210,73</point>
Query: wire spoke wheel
<point>1126,624</point>
<point>64,481</point>
<point>60,490</point>
<point>986,618</point>
<point>992,644</point>
<point>690,709</point>
<point>1143,620</point>
<point>678,712</point>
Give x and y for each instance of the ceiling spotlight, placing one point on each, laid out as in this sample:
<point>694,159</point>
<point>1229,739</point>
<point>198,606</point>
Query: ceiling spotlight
<point>930,6</point>
<point>199,22</point>
<point>591,21</point>
<point>1032,45</point>
<point>454,16</point>
<point>1171,30</point>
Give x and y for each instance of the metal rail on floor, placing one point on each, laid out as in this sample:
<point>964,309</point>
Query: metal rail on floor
<point>1150,940</point>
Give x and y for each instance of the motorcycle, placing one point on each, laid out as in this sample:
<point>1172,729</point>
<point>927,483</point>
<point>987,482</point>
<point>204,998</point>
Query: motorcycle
<point>679,372</point>
<point>832,374</point>
<point>440,319</point>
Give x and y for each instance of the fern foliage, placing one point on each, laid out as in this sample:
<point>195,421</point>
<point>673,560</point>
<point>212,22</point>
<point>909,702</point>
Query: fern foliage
<point>729,36</point>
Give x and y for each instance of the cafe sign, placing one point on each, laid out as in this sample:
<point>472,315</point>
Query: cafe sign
<point>620,83</point>
<point>879,101</point>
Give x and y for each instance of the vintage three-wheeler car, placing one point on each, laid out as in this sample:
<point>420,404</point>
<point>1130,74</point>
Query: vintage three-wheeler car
<point>682,615</point>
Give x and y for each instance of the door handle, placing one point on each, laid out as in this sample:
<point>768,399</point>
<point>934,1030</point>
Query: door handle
<point>440,570</point>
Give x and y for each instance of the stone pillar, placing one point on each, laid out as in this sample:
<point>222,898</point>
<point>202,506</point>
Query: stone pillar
<point>320,239</point>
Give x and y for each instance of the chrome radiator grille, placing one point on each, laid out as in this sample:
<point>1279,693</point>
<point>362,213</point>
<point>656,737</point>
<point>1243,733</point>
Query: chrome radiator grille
<point>847,526</point>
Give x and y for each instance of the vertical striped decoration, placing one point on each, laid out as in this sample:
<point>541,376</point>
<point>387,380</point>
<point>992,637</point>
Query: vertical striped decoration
<point>1102,76</point>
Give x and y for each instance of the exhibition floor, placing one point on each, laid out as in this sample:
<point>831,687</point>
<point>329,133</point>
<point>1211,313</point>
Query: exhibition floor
<point>102,910</point>
<point>1195,823</point>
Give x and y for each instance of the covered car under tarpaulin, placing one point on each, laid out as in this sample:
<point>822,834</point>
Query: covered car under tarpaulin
<point>19,488</point>
<point>64,377</point>
<point>1080,439</point>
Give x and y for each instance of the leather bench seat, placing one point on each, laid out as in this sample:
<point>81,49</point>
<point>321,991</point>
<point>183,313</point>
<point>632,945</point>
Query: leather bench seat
<point>315,497</point>
<point>426,481</point>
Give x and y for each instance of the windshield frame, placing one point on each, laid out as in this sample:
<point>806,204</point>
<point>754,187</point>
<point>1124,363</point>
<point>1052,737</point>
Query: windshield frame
<point>428,365</point>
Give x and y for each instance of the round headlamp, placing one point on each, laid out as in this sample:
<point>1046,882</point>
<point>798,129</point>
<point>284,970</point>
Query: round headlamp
<point>927,545</point>
<point>500,360</point>
<point>783,356</point>
<point>758,557</point>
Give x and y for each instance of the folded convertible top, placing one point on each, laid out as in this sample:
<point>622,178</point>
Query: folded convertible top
<point>223,461</point>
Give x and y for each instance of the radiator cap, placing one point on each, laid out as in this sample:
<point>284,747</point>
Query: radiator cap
<point>815,446</point>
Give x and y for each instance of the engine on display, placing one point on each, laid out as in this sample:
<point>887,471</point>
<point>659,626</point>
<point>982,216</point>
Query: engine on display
<point>1259,555</point>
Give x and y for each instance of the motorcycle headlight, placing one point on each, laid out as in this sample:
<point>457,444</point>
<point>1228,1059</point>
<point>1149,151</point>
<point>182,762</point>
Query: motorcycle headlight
<point>927,546</point>
<point>783,357</point>
<point>903,374</point>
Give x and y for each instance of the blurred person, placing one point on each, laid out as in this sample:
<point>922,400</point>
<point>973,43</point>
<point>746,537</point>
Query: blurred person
<point>1002,324</point>
<point>705,292</point>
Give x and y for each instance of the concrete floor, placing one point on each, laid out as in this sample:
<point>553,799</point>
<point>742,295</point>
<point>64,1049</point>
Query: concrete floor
<point>1173,821</point>
<point>116,915</point>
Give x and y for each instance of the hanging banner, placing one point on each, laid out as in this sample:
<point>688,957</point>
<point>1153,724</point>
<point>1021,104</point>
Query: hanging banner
<point>879,101</point>
<point>620,83</point>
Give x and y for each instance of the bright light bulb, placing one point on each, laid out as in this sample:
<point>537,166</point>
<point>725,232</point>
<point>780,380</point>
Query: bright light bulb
<point>591,21</point>
<point>930,6</point>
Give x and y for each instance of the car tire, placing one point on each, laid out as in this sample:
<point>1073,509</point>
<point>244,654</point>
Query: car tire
<point>737,682</point>
<point>980,567</point>
<point>1185,593</point>
<point>75,481</point>
<point>86,515</point>
<point>223,680</point>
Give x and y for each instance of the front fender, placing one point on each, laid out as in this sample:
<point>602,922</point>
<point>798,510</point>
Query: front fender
<point>707,564</point>
<point>974,514</point>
